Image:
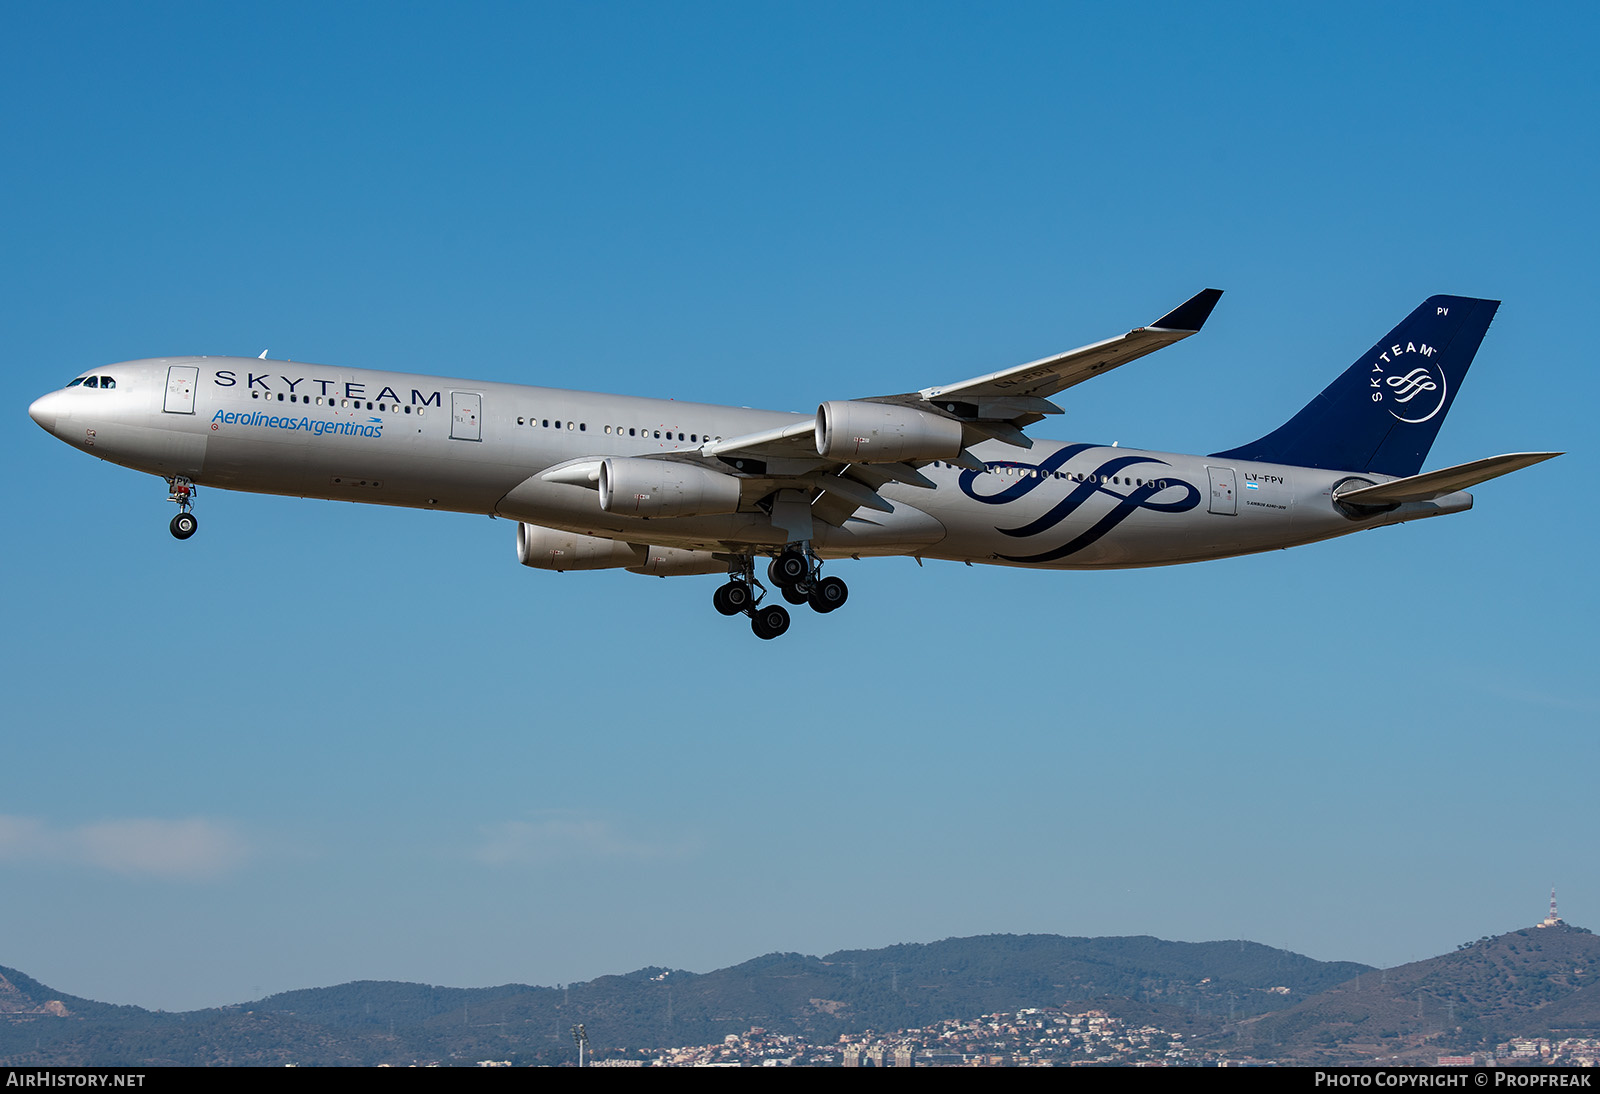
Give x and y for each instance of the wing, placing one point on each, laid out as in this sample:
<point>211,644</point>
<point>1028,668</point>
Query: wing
<point>999,405</point>
<point>840,458</point>
<point>1038,380</point>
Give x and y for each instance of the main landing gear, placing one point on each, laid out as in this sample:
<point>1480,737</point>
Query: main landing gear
<point>181,491</point>
<point>742,595</point>
<point>796,573</point>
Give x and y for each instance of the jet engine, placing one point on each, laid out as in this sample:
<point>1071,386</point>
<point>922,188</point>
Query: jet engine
<point>861,432</point>
<point>663,488</point>
<point>677,562</point>
<point>548,549</point>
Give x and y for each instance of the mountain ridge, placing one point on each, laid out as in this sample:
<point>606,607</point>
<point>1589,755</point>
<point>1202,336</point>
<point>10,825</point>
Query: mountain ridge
<point>1235,993</point>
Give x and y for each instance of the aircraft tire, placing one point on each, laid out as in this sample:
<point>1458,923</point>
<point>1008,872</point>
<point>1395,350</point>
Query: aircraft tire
<point>183,526</point>
<point>829,594</point>
<point>794,595</point>
<point>788,569</point>
<point>769,622</point>
<point>732,598</point>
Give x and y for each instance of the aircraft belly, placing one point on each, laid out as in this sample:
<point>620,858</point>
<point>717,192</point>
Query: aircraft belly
<point>907,530</point>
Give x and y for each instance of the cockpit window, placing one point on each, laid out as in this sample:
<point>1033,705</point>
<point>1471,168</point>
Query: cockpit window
<point>106,381</point>
<point>93,381</point>
<point>78,381</point>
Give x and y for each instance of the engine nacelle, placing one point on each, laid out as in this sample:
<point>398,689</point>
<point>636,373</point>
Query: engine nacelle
<point>677,562</point>
<point>860,432</point>
<point>548,549</point>
<point>662,488</point>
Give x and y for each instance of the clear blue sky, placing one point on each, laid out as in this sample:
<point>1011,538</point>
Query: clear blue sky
<point>320,742</point>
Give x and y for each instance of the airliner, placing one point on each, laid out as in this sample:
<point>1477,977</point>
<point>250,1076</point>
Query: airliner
<point>661,487</point>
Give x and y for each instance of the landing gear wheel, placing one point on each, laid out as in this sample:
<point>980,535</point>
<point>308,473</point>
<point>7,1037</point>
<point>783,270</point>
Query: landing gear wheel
<point>769,621</point>
<point>789,568</point>
<point>793,595</point>
<point>183,525</point>
<point>828,594</point>
<point>732,598</point>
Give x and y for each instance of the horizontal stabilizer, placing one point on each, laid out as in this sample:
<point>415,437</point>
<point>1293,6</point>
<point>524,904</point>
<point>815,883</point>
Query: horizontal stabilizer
<point>1436,484</point>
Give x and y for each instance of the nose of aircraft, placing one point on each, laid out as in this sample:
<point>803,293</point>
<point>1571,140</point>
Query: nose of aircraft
<point>43,411</point>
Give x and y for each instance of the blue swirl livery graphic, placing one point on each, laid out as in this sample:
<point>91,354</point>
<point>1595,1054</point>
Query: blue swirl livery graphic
<point>1129,499</point>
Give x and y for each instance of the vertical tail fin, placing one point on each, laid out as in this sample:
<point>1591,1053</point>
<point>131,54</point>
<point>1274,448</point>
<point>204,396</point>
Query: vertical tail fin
<point>1384,411</point>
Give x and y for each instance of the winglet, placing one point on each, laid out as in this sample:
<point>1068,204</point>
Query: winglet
<point>1192,314</point>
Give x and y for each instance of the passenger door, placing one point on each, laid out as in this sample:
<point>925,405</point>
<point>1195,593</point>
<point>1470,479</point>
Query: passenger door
<point>466,416</point>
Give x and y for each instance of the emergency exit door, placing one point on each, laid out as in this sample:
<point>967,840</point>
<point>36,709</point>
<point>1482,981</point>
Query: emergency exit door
<point>466,416</point>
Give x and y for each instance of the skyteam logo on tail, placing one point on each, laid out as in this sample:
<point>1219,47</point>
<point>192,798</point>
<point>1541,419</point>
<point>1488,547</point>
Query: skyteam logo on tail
<point>1419,391</point>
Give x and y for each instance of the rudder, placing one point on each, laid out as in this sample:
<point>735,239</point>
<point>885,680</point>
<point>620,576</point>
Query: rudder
<point>1383,412</point>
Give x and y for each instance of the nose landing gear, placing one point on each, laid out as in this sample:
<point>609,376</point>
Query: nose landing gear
<point>181,491</point>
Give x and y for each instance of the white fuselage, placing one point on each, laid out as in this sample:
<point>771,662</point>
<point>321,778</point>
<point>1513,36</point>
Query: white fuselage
<point>440,443</point>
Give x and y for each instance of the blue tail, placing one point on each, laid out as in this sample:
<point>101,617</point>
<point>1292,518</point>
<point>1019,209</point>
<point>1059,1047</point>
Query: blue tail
<point>1383,412</point>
